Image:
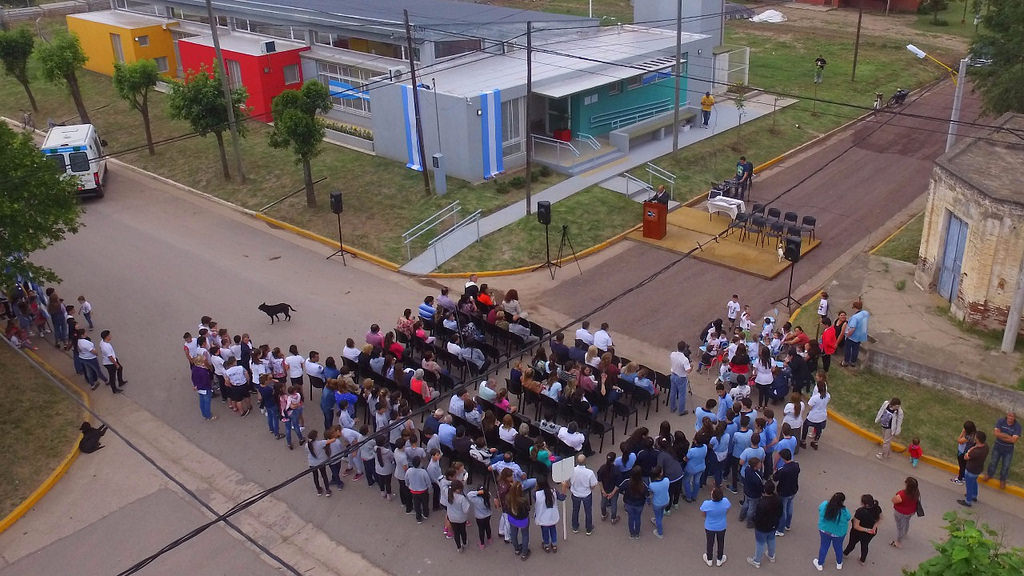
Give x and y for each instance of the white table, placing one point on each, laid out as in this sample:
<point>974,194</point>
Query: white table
<point>730,206</point>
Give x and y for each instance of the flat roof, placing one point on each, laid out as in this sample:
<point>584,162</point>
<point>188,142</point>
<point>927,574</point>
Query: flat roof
<point>244,43</point>
<point>637,49</point>
<point>988,165</point>
<point>122,19</point>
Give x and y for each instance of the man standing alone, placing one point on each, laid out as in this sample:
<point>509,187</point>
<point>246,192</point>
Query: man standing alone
<point>819,68</point>
<point>1007,432</point>
<point>679,379</point>
<point>581,485</point>
<point>706,103</point>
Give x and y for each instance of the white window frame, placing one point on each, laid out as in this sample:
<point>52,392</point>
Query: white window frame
<point>513,127</point>
<point>162,64</point>
<point>296,75</point>
<point>352,75</point>
<point>143,40</point>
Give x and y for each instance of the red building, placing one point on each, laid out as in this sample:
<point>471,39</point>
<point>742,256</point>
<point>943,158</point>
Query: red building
<point>265,66</point>
<point>872,5</point>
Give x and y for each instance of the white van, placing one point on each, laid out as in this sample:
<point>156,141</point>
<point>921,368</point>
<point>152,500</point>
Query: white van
<point>78,150</point>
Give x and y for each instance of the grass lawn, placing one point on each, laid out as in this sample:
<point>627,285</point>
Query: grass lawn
<point>593,215</point>
<point>934,416</point>
<point>881,67</point>
<point>615,10</point>
<point>906,243</point>
<point>952,20</point>
<point>39,426</point>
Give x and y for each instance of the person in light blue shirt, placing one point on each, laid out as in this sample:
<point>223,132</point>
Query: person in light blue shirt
<point>740,442</point>
<point>446,432</point>
<point>725,401</point>
<point>833,522</point>
<point>707,411</point>
<point>553,390</point>
<point>644,381</point>
<point>753,451</point>
<point>786,442</point>
<point>715,511</point>
<point>696,458</point>
<point>720,446</point>
<point>856,333</point>
<point>659,498</point>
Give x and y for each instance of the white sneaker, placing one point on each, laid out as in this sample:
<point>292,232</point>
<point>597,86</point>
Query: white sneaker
<point>721,560</point>
<point>707,560</point>
<point>771,559</point>
<point>753,563</point>
<point>839,566</point>
<point>779,534</point>
<point>816,565</point>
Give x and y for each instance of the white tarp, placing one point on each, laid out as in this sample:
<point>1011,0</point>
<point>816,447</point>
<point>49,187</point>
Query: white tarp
<point>772,16</point>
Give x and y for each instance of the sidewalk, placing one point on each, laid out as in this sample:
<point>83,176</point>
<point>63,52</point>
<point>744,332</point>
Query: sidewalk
<point>724,118</point>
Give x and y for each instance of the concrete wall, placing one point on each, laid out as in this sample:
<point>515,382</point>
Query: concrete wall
<point>663,14</point>
<point>991,394</point>
<point>992,256</point>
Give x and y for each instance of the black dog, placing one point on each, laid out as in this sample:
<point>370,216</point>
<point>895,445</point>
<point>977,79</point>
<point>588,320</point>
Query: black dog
<point>275,309</point>
<point>91,437</point>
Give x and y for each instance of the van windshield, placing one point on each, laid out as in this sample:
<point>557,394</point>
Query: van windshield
<point>58,161</point>
<point>79,161</point>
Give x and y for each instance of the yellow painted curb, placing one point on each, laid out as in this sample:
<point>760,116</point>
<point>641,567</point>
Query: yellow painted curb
<point>890,236</point>
<point>326,241</point>
<point>582,253</point>
<point>61,469</point>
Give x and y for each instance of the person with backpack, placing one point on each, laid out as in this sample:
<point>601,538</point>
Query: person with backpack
<point>890,418</point>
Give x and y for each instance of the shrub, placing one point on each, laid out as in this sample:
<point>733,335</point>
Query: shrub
<point>501,186</point>
<point>518,182</point>
<point>535,175</point>
<point>545,171</point>
<point>356,131</point>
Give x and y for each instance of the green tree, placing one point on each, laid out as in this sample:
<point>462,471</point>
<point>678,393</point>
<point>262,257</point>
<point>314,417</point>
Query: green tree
<point>15,50</point>
<point>133,83</point>
<point>970,550</point>
<point>38,207</point>
<point>62,59</point>
<point>1001,83</point>
<point>200,101</point>
<point>297,126</point>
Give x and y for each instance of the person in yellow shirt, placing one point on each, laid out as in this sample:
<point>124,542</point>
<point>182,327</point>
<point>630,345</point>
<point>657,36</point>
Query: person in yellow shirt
<point>705,107</point>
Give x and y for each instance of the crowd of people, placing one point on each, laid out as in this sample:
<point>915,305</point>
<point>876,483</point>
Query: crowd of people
<point>480,459</point>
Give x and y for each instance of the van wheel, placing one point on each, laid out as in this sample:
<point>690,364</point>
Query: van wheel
<point>99,192</point>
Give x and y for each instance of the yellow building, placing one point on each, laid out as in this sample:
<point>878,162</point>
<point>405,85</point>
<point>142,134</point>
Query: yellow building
<point>111,36</point>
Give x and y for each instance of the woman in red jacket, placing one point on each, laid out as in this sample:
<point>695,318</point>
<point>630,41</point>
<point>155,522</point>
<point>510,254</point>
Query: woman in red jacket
<point>829,341</point>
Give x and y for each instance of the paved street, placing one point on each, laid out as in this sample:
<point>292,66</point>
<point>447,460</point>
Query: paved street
<point>152,260</point>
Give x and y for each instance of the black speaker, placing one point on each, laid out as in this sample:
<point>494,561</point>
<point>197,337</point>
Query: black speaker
<point>792,250</point>
<point>544,212</point>
<point>336,202</point>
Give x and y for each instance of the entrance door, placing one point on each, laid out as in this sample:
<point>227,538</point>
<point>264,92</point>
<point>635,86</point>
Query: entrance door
<point>557,114</point>
<point>952,258</point>
<point>115,43</point>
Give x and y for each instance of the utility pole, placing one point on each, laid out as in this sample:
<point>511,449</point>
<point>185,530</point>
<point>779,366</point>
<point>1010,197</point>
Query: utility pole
<point>225,85</point>
<point>958,95</point>
<point>415,103</point>
<point>678,72</point>
<point>856,43</point>
<point>529,137</point>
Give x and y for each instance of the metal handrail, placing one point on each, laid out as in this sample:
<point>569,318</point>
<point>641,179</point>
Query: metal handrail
<point>610,117</point>
<point>640,117</point>
<point>657,171</point>
<point>555,142</point>
<point>474,217</point>
<point>431,221</point>
<point>630,178</point>
<point>589,140</point>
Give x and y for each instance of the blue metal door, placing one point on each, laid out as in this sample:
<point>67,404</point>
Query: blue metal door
<point>952,257</point>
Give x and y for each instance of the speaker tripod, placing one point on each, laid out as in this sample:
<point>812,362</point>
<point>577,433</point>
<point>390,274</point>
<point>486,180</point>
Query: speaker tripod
<point>565,241</point>
<point>341,245</point>
<point>788,301</point>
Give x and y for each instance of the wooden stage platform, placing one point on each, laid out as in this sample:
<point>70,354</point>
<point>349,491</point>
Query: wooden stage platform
<point>689,226</point>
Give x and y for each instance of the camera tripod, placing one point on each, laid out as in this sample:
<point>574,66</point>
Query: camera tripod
<point>565,241</point>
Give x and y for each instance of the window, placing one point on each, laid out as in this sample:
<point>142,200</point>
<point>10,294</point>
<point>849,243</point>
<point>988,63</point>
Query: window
<point>614,88</point>
<point>234,74</point>
<point>161,64</point>
<point>79,161</point>
<point>115,44</point>
<point>512,131</point>
<point>634,82</point>
<point>291,74</point>
<point>58,161</point>
<point>454,47</point>
<point>267,29</point>
<point>135,6</point>
<point>202,18</point>
<point>348,91</point>
<point>590,99</point>
<point>142,40</point>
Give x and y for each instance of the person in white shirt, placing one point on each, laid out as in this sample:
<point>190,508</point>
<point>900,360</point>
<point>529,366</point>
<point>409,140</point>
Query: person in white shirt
<point>189,348</point>
<point>87,353</point>
<point>217,359</point>
<point>314,369</point>
<point>680,371</point>
<point>817,412</point>
<point>350,351</point>
<point>823,306</point>
<point>602,339</point>
<point>293,365</point>
<point>115,376</point>
<point>238,391</point>
<point>583,333</point>
<point>732,310</point>
<point>746,320</point>
<point>571,436</point>
<point>581,486</point>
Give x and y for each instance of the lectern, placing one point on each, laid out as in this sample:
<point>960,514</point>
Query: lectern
<point>655,220</point>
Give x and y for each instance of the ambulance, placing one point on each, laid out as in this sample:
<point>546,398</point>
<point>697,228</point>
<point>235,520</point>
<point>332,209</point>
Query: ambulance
<point>78,150</point>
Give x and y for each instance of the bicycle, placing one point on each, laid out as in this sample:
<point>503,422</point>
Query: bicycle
<point>898,98</point>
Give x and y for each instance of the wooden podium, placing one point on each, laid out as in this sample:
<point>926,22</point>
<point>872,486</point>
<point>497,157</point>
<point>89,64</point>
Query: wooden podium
<point>655,220</point>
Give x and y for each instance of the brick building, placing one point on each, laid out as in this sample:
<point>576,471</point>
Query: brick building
<point>972,247</point>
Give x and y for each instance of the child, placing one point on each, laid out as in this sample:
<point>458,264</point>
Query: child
<point>481,502</point>
<point>914,450</point>
<point>86,309</point>
<point>459,509</point>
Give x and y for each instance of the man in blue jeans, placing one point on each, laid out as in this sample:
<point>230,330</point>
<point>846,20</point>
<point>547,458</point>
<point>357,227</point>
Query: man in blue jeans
<point>787,479</point>
<point>974,460</point>
<point>856,333</point>
<point>679,379</point>
<point>581,486</point>
<point>1007,432</point>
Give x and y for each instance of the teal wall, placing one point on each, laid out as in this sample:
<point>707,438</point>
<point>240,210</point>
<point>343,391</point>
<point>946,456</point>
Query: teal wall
<point>612,103</point>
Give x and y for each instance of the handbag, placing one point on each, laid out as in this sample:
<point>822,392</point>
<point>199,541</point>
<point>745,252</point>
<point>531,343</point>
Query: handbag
<point>920,508</point>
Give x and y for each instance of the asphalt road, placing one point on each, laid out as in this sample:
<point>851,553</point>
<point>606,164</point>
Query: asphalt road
<point>152,260</point>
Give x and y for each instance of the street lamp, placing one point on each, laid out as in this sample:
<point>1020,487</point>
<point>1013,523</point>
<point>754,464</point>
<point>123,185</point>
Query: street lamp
<point>954,116</point>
